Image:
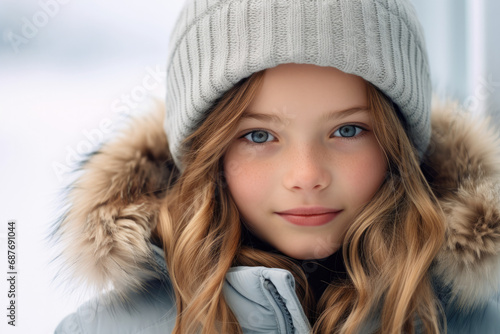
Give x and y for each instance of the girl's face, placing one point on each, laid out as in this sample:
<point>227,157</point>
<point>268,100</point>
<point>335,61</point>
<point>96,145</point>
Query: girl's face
<point>305,159</point>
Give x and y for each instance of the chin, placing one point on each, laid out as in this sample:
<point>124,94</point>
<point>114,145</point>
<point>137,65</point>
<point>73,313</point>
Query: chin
<point>313,253</point>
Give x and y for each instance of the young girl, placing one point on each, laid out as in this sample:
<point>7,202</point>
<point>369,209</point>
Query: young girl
<point>302,188</point>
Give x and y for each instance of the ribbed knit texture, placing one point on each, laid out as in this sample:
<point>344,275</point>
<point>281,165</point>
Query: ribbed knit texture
<point>216,43</point>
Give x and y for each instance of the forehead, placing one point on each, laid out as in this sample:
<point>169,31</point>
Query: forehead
<point>305,87</point>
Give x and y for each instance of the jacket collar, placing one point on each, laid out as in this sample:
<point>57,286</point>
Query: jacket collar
<point>112,207</point>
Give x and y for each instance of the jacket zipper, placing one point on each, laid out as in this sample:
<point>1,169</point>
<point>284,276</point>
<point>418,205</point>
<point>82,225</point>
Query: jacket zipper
<point>290,329</point>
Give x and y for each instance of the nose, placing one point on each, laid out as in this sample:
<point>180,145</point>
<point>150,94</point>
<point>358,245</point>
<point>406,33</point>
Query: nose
<point>306,170</point>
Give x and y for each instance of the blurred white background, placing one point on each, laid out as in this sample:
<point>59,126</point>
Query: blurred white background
<point>66,69</point>
<point>464,51</point>
<point>70,69</point>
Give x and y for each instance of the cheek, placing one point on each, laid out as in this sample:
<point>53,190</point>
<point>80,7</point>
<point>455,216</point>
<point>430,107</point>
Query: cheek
<point>247,179</point>
<point>366,173</point>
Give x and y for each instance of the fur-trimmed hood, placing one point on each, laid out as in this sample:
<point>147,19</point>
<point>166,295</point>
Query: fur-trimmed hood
<point>113,206</point>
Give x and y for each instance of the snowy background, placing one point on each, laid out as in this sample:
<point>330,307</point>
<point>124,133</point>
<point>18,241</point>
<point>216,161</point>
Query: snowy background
<point>64,81</point>
<point>70,70</point>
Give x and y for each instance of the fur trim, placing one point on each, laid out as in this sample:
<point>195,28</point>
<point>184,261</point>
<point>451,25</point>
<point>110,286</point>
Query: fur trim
<point>464,161</point>
<point>115,205</point>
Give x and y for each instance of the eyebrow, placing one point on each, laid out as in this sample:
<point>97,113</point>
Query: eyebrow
<point>332,115</point>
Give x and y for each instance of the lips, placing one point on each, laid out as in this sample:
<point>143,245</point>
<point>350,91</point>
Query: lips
<point>309,216</point>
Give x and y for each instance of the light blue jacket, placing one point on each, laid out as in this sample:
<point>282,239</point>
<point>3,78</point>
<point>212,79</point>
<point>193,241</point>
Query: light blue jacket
<point>264,299</point>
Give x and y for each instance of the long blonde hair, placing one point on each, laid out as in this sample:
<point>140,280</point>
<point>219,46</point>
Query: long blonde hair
<point>387,250</point>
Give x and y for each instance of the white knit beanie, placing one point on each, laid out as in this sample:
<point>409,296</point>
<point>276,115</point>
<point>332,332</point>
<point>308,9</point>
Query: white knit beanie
<point>216,43</point>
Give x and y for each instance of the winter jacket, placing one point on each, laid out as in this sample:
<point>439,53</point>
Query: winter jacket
<point>106,234</point>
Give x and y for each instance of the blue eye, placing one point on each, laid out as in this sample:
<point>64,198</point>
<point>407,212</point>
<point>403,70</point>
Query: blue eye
<point>259,136</point>
<point>348,131</point>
